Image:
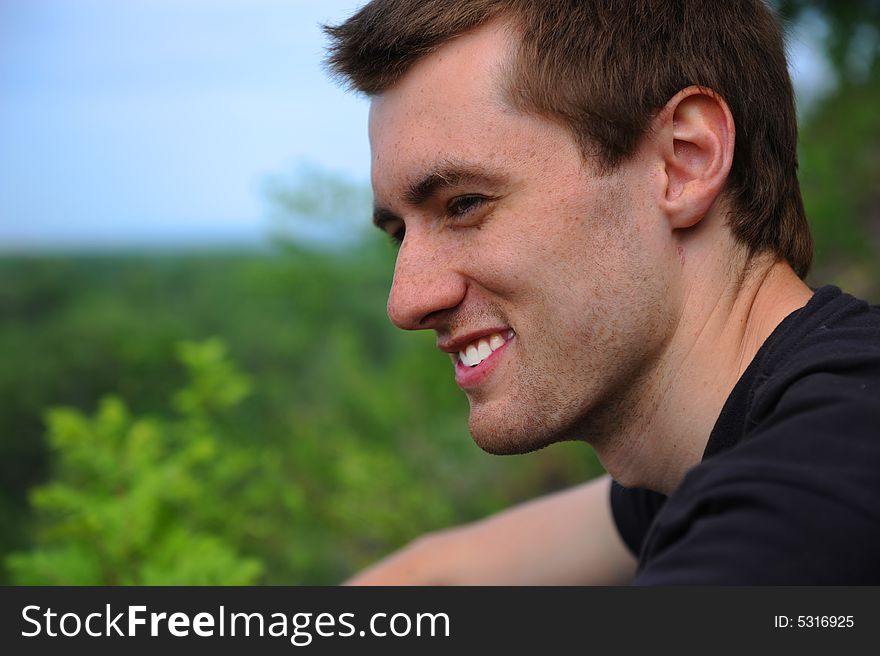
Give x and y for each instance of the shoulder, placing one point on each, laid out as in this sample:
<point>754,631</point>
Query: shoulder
<point>814,400</point>
<point>796,500</point>
<point>835,333</point>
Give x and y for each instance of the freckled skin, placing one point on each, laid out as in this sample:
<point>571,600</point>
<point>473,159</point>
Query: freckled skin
<point>564,256</point>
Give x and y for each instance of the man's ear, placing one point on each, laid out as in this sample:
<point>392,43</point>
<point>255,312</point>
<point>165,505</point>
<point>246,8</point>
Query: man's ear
<point>696,138</point>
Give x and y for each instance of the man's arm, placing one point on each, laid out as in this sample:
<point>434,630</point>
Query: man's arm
<point>566,538</point>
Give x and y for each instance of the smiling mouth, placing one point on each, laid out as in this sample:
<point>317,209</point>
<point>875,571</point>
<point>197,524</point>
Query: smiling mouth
<point>480,349</point>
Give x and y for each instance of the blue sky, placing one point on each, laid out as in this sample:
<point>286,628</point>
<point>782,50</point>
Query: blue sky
<point>155,120</point>
<point>139,122</point>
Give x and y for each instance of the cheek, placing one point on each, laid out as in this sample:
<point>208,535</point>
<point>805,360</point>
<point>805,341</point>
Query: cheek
<point>560,248</point>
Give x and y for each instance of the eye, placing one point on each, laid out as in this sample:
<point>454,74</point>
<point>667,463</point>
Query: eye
<point>396,236</point>
<point>461,206</point>
<point>395,229</point>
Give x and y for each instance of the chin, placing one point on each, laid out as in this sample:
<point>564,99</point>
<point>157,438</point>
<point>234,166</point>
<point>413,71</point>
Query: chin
<point>508,435</point>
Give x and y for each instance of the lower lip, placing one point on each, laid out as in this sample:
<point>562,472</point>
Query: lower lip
<point>468,377</point>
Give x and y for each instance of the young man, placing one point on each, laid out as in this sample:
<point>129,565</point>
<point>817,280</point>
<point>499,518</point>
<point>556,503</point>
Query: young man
<point>599,216</point>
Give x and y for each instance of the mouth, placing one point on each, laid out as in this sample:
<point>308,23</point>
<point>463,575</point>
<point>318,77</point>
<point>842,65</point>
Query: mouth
<point>476,359</point>
<point>481,349</point>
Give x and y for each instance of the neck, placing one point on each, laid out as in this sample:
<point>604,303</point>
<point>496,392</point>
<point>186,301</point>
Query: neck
<point>719,333</point>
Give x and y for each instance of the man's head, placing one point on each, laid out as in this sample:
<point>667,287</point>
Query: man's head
<point>547,165</point>
<point>604,68</point>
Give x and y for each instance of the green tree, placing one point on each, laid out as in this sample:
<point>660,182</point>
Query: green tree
<point>125,504</point>
<point>839,148</point>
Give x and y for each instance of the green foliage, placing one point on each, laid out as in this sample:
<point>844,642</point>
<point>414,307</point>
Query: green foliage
<point>839,173</point>
<point>351,442</point>
<point>125,504</point>
<point>839,152</point>
<point>852,40</point>
<point>214,385</point>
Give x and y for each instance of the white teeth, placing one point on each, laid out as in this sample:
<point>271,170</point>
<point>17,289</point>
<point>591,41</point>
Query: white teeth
<point>481,349</point>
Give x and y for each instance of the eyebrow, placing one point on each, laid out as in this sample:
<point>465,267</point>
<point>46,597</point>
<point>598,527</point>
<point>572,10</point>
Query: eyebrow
<point>445,175</point>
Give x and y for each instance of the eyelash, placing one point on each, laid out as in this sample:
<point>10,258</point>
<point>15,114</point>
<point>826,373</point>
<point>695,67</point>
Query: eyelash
<point>457,208</point>
<point>396,237</point>
<point>464,205</point>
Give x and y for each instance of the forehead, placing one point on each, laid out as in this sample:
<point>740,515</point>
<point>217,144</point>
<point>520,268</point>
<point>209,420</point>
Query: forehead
<point>449,106</point>
<point>468,68</point>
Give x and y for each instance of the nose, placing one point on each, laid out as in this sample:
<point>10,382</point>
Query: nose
<point>425,285</point>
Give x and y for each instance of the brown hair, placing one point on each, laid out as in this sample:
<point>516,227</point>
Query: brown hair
<point>604,68</point>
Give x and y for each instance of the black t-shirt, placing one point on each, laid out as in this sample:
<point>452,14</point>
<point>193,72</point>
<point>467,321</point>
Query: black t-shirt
<point>788,490</point>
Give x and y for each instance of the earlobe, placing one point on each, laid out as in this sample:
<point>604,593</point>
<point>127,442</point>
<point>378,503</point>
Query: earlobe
<point>697,141</point>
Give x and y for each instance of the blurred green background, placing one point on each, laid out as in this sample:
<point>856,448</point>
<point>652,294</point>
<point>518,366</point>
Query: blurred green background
<point>238,417</point>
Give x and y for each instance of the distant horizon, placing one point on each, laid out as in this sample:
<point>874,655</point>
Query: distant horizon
<point>238,237</point>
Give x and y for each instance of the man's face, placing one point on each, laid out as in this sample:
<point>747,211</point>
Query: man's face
<point>534,271</point>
